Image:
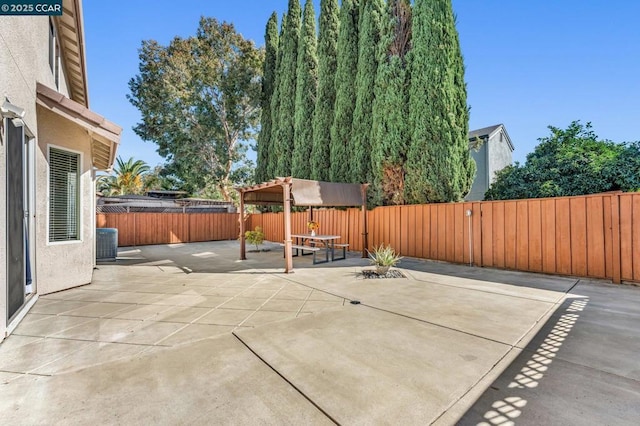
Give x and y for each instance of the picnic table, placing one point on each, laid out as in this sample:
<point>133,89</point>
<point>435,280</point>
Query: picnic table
<point>316,243</point>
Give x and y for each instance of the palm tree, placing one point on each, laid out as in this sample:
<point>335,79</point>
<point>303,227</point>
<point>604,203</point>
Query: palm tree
<point>128,178</point>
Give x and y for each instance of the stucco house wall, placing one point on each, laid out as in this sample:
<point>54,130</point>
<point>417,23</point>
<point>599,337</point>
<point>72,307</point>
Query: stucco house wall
<point>62,265</point>
<point>494,153</point>
<point>23,62</point>
<point>55,115</point>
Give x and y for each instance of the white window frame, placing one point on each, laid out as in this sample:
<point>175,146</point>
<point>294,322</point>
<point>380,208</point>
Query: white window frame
<point>80,239</point>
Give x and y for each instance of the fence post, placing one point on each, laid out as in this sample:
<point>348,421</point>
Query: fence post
<point>476,217</point>
<point>615,239</point>
<point>243,255</point>
<point>365,227</point>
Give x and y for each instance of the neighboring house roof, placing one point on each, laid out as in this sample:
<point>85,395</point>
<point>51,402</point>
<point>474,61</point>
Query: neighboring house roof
<point>162,193</point>
<point>105,135</point>
<point>70,28</point>
<point>488,132</point>
<point>133,208</point>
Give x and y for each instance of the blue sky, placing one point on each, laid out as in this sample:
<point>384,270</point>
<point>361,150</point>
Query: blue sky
<point>528,64</point>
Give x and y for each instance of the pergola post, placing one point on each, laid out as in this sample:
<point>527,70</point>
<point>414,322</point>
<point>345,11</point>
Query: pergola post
<point>243,255</point>
<point>288,253</point>
<point>365,230</point>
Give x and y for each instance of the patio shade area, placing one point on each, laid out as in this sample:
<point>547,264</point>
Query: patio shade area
<point>290,192</point>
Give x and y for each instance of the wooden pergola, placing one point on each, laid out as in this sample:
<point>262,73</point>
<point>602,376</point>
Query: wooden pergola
<point>290,191</point>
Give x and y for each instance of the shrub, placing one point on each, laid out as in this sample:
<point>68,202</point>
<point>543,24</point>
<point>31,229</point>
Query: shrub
<point>255,237</point>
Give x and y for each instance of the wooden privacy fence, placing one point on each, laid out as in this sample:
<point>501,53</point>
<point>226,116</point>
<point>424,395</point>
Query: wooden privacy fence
<point>589,236</point>
<point>136,229</point>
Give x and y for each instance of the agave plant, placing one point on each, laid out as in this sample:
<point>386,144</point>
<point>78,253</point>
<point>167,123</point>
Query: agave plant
<point>383,257</point>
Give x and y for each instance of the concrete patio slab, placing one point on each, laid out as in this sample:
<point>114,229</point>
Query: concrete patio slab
<point>567,394</point>
<point>421,340</point>
<point>195,332</point>
<point>88,355</point>
<point>612,330</point>
<point>365,366</point>
<point>494,315</point>
<point>35,355</point>
<point>222,383</point>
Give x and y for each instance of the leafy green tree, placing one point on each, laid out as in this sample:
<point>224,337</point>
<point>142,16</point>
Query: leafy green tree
<point>624,174</point>
<point>437,167</point>
<point>268,84</point>
<point>160,178</point>
<point>272,158</point>
<point>128,178</point>
<point>391,133</point>
<point>306,85</point>
<point>325,100</point>
<point>199,98</point>
<point>347,62</point>
<point>284,142</point>
<point>368,44</point>
<point>571,161</point>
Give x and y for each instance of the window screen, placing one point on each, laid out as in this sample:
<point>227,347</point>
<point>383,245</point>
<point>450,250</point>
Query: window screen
<point>64,195</point>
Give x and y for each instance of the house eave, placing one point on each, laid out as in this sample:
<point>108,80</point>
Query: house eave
<point>104,135</point>
<point>70,28</point>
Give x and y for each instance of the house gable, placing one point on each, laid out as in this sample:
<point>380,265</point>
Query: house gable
<point>492,150</point>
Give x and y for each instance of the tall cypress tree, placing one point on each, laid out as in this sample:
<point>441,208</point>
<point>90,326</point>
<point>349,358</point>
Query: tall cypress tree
<point>306,84</point>
<point>390,132</point>
<point>341,130</point>
<point>468,165</point>
<point>283,145</point>
<point>436,168</point>
<point>326,96</point>
<point>272,158</point>
<point>268,84</point>
<point>370,30</point>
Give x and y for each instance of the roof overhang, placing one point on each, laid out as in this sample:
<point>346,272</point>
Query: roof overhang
<point>70,28</point>
<point>105,135</point>
<point>305,193</point>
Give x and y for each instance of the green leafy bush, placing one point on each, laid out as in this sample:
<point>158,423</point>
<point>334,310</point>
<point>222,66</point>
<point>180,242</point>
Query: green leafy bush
<point>255,237</point>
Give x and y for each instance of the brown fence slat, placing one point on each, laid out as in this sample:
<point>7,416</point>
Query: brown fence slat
<point>563,236</point>
<point>497,236</point>
<point>510,235</point>
<point>578,236</point>
<point>626,237</point>
<point>635,231</point>
<point>488,230</point>
<point>461,243</point>
<point>535,236</point>
<point>596,256</point>
<point>522,235</point>
<point>548,229</point>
